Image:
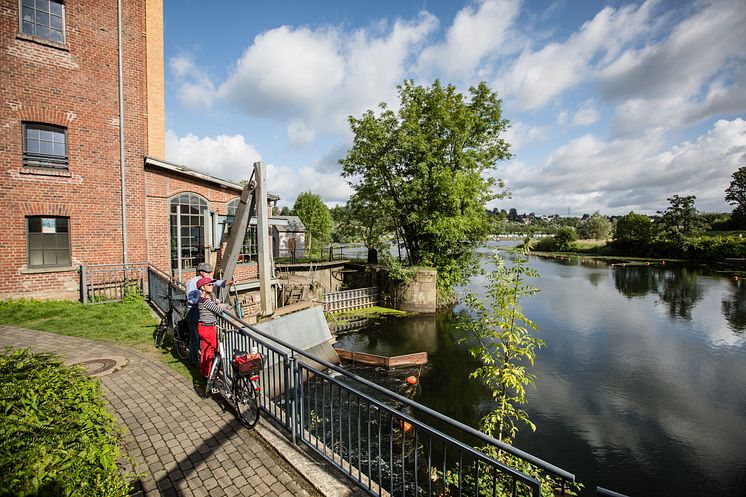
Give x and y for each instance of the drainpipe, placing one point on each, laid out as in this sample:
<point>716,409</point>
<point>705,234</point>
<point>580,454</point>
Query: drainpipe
<point>122,160</point>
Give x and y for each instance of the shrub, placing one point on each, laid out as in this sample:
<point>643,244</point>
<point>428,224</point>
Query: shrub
<point>56,437</point>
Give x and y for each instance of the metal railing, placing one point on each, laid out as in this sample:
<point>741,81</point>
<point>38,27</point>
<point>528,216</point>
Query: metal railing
<point>350,299</point>
<point>101,283</point>
<point>384,442</point>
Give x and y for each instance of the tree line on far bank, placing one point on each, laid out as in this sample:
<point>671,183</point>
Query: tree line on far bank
<point>679,231</point>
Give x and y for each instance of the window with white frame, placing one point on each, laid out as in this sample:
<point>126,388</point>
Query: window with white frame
<point>43,19</point>
<point>44,145</point>
<point>187,221</point>
<point>249,249</point>
<point>47,241</point>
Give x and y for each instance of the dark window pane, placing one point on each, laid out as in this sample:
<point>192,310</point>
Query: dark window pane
<point>27,27</point>
<point>46,134</point>
<point>32,133</point>
<point>62,224</point>
<point>56,8</point>
<point>42,19</point>
<point>63,257</point>
<point>35,241</point>
<point>59,149</point>
<point>46,147</point>
<point>56,23</point>
<point>57,36</point>
<point>32,146</point>
<point>34,225</point>
<point>42,5</point>
<point>27,3</point>
<point>27,14</point>
<point>63,241</point>
<point>50,257</point>
<point>42,31</point>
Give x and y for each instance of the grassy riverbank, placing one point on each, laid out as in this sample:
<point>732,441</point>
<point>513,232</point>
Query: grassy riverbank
<point>130,323</point>
<point>365,313</point>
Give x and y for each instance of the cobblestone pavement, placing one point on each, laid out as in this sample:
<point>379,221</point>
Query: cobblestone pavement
<point>183,444</point>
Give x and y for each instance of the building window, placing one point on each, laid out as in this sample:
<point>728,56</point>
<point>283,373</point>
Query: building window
<point>44,146</point>
<point>43,19</point>
<point>249,249</point>
<point>48,241</point>
<point>188,214</point>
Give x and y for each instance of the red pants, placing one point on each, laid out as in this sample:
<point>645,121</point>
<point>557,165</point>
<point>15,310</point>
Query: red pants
<point>209,344</point>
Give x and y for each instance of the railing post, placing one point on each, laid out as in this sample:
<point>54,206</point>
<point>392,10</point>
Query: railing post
<point>83,285</point>
<point>293,397</point>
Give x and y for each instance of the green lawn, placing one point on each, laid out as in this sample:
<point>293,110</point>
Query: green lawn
<point>130,323</point>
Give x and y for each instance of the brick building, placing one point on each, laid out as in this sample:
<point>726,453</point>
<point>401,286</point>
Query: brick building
<point>81,121</point>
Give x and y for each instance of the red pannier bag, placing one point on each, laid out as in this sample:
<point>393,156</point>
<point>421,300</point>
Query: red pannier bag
<point>245,363</point>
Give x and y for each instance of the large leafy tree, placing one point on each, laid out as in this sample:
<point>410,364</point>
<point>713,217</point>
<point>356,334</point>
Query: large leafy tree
<point>634,231</point>
<point>316,218</point>
<point>735,195</point>
<point>681,219</point>
<point>426,168</point>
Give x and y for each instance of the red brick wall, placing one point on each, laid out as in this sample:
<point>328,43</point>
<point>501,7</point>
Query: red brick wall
<point>76,87</point>
<point>161,187</point>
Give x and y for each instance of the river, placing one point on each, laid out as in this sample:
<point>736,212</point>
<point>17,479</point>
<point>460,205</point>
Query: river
<point>641,387</point>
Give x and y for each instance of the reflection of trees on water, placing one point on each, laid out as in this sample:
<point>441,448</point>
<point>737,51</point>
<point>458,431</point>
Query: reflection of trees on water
<point>595,278</point>
<point>734,308</point>
<point>680,292</point>
<point>635,281</point>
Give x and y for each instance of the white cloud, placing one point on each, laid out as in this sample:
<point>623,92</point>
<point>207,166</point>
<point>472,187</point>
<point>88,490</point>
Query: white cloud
<point>536,77</point>
<point>226,157</point>
<point>587,114</point>
<point>196,90</point>
<point>616,176</point>
<point>478,32</point>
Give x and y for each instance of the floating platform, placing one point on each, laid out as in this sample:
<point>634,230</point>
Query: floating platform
<point>416,359</point>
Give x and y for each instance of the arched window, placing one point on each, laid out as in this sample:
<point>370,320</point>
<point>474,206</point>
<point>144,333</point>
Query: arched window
<point>188,215</point>
<point>249,249</point>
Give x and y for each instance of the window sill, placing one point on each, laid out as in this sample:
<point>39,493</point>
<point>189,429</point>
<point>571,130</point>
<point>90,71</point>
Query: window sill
<point>41,270</point>
<point>43,41</point>
<point>46,171</point>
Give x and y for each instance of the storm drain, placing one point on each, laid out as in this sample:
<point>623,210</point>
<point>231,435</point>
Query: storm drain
<point>102,366</point>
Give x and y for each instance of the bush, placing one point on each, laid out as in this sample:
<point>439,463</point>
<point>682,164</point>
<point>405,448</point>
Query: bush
<point>56,437</point>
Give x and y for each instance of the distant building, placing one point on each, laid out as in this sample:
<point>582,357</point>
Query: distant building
<point>288,238</point>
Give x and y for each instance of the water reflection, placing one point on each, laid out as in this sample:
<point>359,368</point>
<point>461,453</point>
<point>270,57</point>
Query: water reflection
<point>640,388</point>
<point>734,306</point>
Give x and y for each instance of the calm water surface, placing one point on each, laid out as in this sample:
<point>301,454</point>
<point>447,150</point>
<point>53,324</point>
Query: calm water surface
<point>641,387</point>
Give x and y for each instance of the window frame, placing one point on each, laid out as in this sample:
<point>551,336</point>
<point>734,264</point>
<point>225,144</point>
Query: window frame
<point>52,239</point>
<point>48,39</point>
<point>38,159</point>
<point>249,252</point>
<point>194,232</point>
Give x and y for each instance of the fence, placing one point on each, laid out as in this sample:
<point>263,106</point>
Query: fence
<point>350,299</point>
<point>110,282</point>
<point>387,444</point>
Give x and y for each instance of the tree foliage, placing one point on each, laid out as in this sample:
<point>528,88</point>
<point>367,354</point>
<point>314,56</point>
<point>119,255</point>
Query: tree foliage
<point>681,220</point>
<point>596,227</point>
<point>426,169</point>
<point>735,195</point>
<point>634,231</point>
<point>315,216</point>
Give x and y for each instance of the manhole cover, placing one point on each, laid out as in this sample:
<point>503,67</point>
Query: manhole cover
<point>102,366</point>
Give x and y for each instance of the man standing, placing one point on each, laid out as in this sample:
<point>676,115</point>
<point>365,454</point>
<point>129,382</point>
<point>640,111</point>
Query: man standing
<point>204,270</point>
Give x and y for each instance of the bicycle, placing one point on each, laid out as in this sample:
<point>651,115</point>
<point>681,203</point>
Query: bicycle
<point>179,331</point>
<point>243,388</point>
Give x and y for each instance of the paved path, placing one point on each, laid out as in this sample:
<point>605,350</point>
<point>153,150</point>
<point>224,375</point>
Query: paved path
<point>185,445</point>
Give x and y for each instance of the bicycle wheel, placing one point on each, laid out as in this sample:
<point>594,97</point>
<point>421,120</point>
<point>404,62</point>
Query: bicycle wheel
<point>247,407</point>
<point>159,334</point>
<point>182,348</point>
<point>212,375</point>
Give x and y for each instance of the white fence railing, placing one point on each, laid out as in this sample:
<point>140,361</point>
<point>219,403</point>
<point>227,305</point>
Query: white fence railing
<point>350,299</point>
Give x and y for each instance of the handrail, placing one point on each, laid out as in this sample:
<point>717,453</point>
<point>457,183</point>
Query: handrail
<point>540,463</point>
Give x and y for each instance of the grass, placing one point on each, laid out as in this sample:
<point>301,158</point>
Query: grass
<point>130,323</point>
<point>368,312</point>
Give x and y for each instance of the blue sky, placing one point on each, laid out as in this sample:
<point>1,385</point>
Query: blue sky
<point>614,106</point>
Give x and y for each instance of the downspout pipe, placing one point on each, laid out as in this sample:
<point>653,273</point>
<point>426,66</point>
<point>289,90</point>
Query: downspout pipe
<point>122,158</point>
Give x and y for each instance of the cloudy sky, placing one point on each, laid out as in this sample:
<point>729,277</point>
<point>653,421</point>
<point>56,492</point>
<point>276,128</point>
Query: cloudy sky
<point>614,106</point>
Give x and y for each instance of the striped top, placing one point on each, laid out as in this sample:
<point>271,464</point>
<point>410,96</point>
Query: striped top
<point>208,308</point>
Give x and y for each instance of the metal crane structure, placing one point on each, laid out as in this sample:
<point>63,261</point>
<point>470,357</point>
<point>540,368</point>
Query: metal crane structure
<point>252,203</point>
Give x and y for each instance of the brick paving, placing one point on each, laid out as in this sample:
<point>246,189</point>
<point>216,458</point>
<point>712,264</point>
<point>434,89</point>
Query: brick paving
<point>182,444</point>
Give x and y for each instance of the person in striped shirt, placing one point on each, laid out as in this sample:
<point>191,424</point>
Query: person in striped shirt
<point>208,308</point>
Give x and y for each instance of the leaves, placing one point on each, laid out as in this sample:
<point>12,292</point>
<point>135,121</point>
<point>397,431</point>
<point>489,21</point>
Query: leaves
<point>56,437</point>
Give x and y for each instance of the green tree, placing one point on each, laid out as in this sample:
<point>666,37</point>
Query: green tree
<point>426,168</point>
<point>315,216</point>
<point>564,237</point>
<point>735,195</point>
<point>680,220</point>
<point>634,232</point>
<point>285,211</point>
<point>596,227</point>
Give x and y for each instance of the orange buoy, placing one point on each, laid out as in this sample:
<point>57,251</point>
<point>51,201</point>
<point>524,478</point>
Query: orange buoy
<point>412,380</point>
